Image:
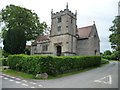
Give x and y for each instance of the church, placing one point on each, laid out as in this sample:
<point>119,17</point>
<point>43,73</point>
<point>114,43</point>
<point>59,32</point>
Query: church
<point>66,39</point>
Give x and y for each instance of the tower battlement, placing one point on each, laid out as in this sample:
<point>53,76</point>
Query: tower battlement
<point>63,12</point>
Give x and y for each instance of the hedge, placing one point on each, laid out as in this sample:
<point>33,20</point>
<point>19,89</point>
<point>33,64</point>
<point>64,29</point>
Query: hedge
<point>51,65</point>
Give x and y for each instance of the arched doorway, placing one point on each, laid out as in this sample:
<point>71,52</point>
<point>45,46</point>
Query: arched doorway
<point>59,50</point>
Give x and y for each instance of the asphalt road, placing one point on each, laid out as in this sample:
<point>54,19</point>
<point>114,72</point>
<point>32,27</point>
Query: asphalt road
<point>101,77</point>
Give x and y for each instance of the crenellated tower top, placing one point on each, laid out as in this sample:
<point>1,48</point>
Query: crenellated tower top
<point>62,12</point>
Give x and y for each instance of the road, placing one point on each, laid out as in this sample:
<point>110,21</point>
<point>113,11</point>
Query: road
<point>101,77</point>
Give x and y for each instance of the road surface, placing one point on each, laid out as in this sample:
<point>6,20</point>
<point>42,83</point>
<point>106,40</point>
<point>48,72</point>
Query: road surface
<point>101,77</point>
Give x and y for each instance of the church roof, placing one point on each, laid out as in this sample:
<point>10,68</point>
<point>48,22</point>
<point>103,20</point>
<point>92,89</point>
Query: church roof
<point>41,38</point>
<point>84,32</point>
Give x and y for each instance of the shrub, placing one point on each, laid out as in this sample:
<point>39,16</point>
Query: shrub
<point>104,61</point>
<point>3,62</point>
<point>51,65</point>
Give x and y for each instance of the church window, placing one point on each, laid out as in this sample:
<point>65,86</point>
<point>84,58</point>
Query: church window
<point>95,35</point>
<point>44,47</point>
<point>59,28</point>
<point>59,19</point>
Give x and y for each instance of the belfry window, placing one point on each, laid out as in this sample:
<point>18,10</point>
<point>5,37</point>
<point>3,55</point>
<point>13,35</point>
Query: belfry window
<point>59,28</point>
<point>59,19</point>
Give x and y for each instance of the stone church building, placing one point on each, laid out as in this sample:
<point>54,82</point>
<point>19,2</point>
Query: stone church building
<point>66,39</point>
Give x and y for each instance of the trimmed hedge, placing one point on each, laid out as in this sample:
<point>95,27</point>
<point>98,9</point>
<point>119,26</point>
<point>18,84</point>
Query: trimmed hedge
<point>51,65</point>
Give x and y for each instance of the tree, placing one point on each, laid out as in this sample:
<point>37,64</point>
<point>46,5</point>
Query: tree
<point>107,52</point>
<point>114,38</point>
<point>14,41</point>
<point>16,16</point>
<point>20,25</point>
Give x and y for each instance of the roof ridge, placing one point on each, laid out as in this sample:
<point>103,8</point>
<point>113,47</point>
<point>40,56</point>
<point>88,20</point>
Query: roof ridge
<point>85,26</point>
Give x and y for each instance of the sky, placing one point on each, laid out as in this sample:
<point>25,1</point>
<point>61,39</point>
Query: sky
<point>102,12</point>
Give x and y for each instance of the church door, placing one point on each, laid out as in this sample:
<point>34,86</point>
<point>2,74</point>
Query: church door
<point>59,50</point>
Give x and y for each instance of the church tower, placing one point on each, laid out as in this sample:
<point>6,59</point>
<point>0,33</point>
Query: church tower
<point>119,8</point>
<point>63,32</point>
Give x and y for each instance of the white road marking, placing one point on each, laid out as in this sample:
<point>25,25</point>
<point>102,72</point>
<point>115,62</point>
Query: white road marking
<point>11,80</point>
<point>40,85</point>
<point>5,78</point>
<point>32,83</point>
<point>32,87</point>
<point>12,77</point>
<point>17,82</point>
<point>24,84</point>
<point>101,80</point>
<point>24,80</point>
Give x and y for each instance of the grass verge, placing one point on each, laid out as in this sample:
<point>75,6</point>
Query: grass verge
<point>18,74</point>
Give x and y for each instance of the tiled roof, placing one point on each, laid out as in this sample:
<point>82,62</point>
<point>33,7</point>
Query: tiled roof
<point>84,32</point>
<point>41,38</point>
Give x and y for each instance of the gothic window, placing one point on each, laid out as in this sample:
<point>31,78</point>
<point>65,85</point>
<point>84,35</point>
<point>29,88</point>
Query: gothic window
<point>59,28</point>
<point>44,47</point>
<point>59,19</point>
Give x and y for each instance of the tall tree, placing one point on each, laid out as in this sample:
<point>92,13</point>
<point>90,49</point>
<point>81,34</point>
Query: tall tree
<point>16,16</point>
<point>14,41</point>
<point>20,25</point>
<point>114,38</point>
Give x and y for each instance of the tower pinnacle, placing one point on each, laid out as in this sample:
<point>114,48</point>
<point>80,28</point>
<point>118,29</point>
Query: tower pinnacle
<point>119,8</point>
<point>67,6</point>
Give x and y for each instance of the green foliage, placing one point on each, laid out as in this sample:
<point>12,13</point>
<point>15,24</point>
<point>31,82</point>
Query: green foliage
<point>104,61</point>
<point>5,54</point>
<point>51,65</point>
<point>107,52</point>
<point>16,17</point>
<point>115,36</point>
<point>14,41</point>
<point>3,61</point>
<point>21,25</point>
<point>110,55</point>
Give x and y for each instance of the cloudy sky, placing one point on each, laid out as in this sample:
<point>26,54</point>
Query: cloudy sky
<point>101,11</point>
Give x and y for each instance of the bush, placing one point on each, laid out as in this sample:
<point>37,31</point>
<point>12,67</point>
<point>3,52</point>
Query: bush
<point>104,61</point>
<point>51,65</point>
<point>3,62</point>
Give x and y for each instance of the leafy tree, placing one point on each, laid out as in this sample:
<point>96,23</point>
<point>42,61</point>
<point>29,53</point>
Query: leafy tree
<point>114,55</point>
<point>107,52</point>
<point>20,25</point>
<point>16,16</point>
<point>114,38</point>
